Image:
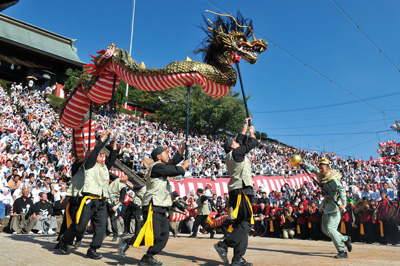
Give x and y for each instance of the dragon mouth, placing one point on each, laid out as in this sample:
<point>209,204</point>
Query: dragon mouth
<point>250,51</point>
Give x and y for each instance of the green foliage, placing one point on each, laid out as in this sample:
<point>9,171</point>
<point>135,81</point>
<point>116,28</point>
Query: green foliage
<point>5,84</point>
<point>121,110</point>
<point>57,101</point>
<point>208,115</point>
<point>72,80</point>
<point>260,135</point>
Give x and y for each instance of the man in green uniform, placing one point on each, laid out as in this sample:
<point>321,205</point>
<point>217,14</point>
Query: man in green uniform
<point>202,214</point>
<point>330,180</point>
<point>117,190</point>
<point>93,204</point>
<point>156,204</point>
<point>241,194</point>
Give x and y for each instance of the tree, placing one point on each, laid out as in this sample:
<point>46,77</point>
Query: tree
<point>208,115</point>
<point>72,80</point>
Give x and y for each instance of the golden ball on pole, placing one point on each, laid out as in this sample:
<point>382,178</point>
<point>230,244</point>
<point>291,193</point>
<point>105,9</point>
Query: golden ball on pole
<point>295,160</point>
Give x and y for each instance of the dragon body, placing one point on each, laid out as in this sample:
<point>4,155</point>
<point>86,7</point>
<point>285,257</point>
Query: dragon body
<point>226,42</point>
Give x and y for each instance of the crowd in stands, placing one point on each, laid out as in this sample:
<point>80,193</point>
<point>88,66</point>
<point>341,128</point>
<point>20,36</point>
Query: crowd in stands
<point>35,156</point>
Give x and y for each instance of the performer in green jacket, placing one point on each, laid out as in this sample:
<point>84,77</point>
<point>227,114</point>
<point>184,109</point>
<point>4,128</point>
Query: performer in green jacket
<point>241,194</point>
<point>156,204</point>
<point>330,180</point>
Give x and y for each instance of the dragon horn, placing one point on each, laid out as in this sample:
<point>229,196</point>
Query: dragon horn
<point>89,65</point>
<point>230,16</point>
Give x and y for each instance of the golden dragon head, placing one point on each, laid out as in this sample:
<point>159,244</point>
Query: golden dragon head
<point>231,34</point>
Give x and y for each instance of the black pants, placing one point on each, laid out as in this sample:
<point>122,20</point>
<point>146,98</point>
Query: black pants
<point>368,236</point>
<point>225,225</point>
<point>315,230</point>
<point>390,232</point>
<point>130,211</point>
<point>72,209</point>
<point>96,211</point>
<point>113,218</point>
<point>239,237</point>
<point>160,231</point>
<point>201,220</point>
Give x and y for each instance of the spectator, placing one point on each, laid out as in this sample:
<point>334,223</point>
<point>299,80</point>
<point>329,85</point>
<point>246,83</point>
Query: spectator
<point>44,212</point>
<point>24,217</point>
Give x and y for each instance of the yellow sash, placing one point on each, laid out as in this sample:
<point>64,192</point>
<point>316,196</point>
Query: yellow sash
<point>79,212</point>
<point>309,225</point>
<point>271,226</point>
<point>342,228</point>
<point>67,216</point>
<point>146,232</point>
<point>361,229</point>
<point>381,227</point>
<point>210,222</point>
<point>236,210</point>
<point>298,229</point>
<point>230,228</point>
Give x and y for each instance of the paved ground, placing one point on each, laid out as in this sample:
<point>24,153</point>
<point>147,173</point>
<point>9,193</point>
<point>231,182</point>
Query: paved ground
<point>38,250</point>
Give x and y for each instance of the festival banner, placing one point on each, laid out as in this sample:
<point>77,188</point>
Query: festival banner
<point>220,186</point>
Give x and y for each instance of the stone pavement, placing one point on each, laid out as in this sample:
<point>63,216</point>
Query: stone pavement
<point>38,250</point>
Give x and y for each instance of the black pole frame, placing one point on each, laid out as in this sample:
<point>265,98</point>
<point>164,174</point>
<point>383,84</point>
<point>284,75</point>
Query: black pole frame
<point>90,123</point>
<point>243,94</point>
<point>187,121</point>
<point>112,101</point>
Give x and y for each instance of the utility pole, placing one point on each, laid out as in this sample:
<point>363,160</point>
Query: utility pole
<point>130,48</point>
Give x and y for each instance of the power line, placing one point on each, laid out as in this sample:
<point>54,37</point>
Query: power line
<point>339,124</point>
<point>326,106</point>
<point>364,33</point>
<point>357,144</point>
<point>331,134</point>
<point>308,66</point>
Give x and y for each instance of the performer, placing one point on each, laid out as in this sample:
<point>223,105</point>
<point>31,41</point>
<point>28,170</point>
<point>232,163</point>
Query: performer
<point>133,208</point>
<point>73,199</point>
<point>240,195</point>
<point>388,228</point>
<point>178,205</point>
<point>330,180</point>
<point>156,204</point>
<point>117,191</point>
<point>202,214</point>
<point>93,205</point>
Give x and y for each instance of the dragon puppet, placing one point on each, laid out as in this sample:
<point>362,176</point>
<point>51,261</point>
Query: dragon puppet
<point>226,42</point>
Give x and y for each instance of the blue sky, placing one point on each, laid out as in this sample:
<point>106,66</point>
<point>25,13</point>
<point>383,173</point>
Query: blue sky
<point>314,32</point>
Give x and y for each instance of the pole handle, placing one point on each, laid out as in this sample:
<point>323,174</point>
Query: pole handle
<point>243,94</point>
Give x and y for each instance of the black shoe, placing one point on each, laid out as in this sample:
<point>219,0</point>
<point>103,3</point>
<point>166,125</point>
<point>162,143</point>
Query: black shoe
<point>241,262</point>
<point>63,245</point>
<point>91,253</point>
<point>149,261</point>
<point>192,236</point>
<point>57,246</point>
<point>77,244</point>
<point>348,244</point>
<point>122,247</point>
<point>115,238</point>
<point>341,255</point>
<point>212,233</point>
<point>222,252</point>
